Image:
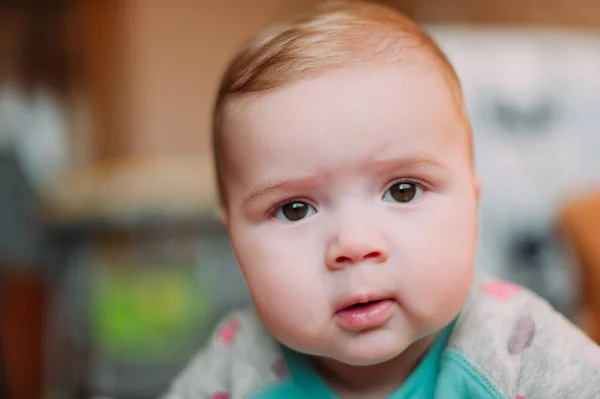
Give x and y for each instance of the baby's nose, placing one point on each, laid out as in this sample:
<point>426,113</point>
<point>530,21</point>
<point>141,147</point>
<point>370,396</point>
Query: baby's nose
<point>351,250</point>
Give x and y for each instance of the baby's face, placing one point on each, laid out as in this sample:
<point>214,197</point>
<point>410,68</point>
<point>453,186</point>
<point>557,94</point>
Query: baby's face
<point>352,209</point>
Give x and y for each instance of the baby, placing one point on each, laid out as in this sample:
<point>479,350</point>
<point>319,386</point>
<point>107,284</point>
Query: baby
<point>345,169</point>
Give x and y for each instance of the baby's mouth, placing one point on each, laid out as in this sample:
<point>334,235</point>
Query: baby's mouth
<point>359,305</point>
<point>362,303</point>
<point>361,315</point>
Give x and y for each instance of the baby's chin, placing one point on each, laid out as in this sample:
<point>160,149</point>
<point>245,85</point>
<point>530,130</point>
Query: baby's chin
<point>370,349</point>
<point>366,358</point>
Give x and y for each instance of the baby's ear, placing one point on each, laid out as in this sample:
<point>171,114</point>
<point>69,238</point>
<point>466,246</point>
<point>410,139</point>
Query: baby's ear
<point>477,185</point>
<point>222,216</point>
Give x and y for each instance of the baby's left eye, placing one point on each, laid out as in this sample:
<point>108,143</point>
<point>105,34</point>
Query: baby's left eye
<point>403,192</point>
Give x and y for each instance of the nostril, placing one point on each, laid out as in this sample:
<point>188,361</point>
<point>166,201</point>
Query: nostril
<point>342,259</point>
<point>372,255</point>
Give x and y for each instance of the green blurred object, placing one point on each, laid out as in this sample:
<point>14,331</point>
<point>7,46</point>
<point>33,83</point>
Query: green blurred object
<point>149,314</point>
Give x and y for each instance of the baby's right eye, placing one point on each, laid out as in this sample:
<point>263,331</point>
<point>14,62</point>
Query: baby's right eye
<point>294,211</point>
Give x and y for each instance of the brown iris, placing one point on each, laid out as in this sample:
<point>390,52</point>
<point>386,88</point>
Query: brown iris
<point>295,211</point>
<point>403,192</point>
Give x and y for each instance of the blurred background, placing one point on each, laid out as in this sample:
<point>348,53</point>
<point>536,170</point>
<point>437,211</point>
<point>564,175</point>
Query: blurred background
<point>113,268</point>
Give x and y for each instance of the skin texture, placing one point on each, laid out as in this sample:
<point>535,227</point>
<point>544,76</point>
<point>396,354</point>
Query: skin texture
<point>338,143</point>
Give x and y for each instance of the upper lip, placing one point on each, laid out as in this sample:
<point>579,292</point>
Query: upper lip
<point>365,298</point>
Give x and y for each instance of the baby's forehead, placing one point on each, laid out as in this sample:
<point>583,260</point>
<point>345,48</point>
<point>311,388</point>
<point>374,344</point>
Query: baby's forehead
<point>343,85</point>
<point>368,104</point>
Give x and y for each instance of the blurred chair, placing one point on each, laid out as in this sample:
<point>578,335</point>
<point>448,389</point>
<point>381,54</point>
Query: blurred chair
<point>580,222</point>
<point>3,385</point>
<point>22,294</point>
<point>3,378</point>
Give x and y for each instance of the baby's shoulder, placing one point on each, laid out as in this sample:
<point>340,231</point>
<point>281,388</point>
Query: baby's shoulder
<point>524,345</point>
<point>240,357</point>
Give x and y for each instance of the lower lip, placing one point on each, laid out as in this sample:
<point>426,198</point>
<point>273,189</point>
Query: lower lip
<point>365,317</point>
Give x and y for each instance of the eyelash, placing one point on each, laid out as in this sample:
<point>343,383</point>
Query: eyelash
<point>422,184</point>
<point>273,211</point>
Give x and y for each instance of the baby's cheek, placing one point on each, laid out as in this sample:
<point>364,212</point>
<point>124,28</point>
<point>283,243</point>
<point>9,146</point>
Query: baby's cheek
<point>291,305</point>
<point>291,322</point>
<point>435,294</point>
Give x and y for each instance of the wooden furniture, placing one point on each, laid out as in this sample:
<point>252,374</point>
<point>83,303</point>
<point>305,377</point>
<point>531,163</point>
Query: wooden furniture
<point>580,221</point>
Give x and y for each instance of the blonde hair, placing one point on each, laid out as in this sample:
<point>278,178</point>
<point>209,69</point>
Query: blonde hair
<point>336,34</point>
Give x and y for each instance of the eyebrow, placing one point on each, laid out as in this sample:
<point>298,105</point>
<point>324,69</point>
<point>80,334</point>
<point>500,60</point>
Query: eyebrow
<point>390,165</point>
<point>374,164</point>
<point>272,186</point>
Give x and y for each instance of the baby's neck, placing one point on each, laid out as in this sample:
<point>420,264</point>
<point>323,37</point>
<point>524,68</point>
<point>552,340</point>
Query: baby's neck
<point>376,381</point>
